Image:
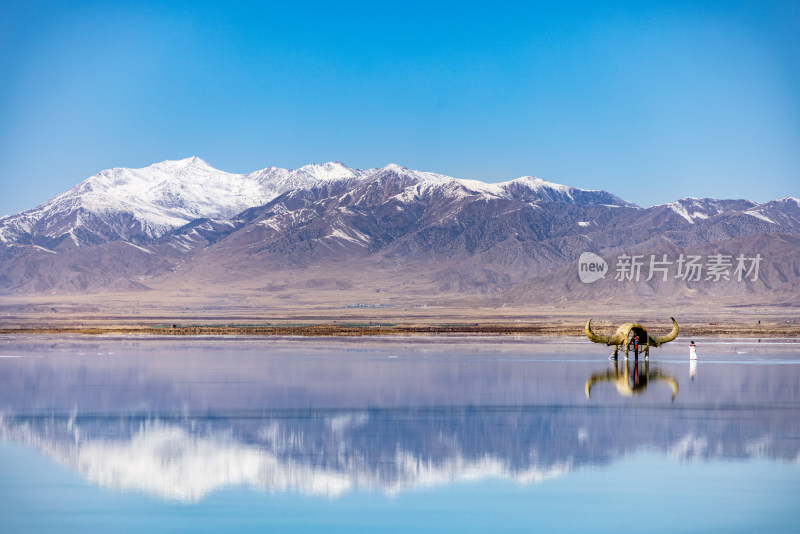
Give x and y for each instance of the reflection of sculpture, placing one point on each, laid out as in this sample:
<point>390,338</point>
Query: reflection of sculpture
<point>632,334</point>
<point>631,384</point>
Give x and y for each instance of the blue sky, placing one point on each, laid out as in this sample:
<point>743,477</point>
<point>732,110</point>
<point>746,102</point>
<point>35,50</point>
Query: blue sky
<point>651,101</point>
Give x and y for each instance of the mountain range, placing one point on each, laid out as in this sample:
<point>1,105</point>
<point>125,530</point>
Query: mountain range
<point>391,230</point>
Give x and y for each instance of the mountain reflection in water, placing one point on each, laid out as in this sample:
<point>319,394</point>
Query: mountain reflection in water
<point>180,420</point>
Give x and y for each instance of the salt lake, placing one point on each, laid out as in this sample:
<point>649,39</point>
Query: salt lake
<point>417,434</point>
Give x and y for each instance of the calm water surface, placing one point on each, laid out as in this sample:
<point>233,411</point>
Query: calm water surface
<point>396,435</point>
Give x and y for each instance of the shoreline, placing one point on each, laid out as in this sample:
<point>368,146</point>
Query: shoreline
<point>767,330</point>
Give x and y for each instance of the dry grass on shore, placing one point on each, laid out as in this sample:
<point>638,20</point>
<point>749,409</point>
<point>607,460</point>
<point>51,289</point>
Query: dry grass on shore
<point>323,329</point>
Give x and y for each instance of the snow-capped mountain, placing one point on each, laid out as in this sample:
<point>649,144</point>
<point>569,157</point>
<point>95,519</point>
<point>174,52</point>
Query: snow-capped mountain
<point>695,209</point>
<point>779,213</point>
<point>181,221</point>
<point>139,205</point>
<point>142,204</point>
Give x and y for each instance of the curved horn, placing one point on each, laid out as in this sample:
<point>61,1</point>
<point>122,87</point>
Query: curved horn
<point>594,337</point>
<point>669,380</point>
<point>659,340</point>
<point>598,377</point>
<point>674,384</point>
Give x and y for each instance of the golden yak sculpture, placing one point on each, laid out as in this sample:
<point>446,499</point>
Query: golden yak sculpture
<point>632,334</point>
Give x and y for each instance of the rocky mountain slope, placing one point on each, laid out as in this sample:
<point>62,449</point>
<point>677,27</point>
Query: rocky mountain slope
<point>185,223</point>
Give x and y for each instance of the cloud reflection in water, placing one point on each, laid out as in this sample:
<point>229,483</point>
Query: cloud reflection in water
<point>183,420</point>
<point>167,460</point>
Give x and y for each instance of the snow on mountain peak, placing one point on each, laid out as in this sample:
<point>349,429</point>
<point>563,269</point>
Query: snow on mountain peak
<point>692,208</point>
<point>183,166</point>
<point>333,170</point>
<point>160,197</point>
<point>537,183</point>
<point>420,176</point>
<point>169,194</point>
<point>394,167</point>
<point>537,190</point>
<point>185,162</point>
<point>683,206</point>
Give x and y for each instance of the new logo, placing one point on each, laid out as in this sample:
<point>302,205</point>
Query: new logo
<point>591,267</point>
